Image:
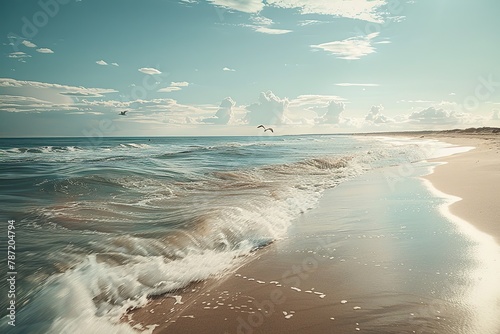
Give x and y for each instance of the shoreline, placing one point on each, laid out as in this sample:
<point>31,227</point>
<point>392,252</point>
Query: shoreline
<point>351,275</point>
<point>474,177</point>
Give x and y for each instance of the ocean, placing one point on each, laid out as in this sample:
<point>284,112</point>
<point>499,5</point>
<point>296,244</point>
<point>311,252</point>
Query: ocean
<point>103,225</point>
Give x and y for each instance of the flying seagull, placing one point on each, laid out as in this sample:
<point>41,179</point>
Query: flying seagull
<point>265,129</point>
<point>123,113</point>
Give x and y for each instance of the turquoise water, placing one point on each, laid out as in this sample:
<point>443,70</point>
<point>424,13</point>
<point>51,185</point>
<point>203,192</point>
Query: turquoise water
<point>103,225</point>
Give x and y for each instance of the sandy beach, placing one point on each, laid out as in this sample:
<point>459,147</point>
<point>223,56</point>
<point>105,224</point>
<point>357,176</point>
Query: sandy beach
<point>473,176</point>
<point>250,167</point>
<point>392,267</point>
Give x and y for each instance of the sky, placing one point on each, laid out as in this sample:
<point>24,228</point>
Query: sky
<point>222,67</point>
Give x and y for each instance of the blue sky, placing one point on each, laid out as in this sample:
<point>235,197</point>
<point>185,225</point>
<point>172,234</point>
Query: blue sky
<point>206,67</point>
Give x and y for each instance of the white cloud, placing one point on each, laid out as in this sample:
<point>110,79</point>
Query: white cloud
<point>247,6</point>
<point>415,101</point>
<point>332,115</point>
<point>271,31</point>
<point>261,20</point>
<point>375,115</point>
<point>19,100</point>
<point>174,86</point>
<point>229,69</point>
<point>25,96</point>
<point>263,25</point>
<point>28,44</point>
<point>85,112</point>
<point>16,103</point>
<point>168,89</point>
<point>53,88</point>
<point>268,111</point>
<point>351,48</point>
<point>433,115</point>
<point>445,113</point>
<point>312,101</point>
<point>103,63</point>
<point>224,114</point>
<point>308,107</point>
<point>156,111</point>
<point>166,105</point>
<point>179,84</point>
<point>366,10</point>
<point>149,70</point>
<point>347,84</point>
<point>309,22</point>
<point>18,54</point>
<point>166,111</point>
<point>44,50</point>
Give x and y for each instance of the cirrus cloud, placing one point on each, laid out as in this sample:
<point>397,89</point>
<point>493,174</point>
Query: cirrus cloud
<point>174,86</point>
<point>348,84</point>
<point>246,6</point>
<point>16,103</point>
<point>7,83</point>
<point>264,25</point>
<point>352,48</point>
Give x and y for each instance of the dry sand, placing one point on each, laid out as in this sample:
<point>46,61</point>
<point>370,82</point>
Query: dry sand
<point>473,176</point>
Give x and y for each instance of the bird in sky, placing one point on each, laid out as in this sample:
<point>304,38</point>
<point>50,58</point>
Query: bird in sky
<point>265,129</point>
<point>123,113</point>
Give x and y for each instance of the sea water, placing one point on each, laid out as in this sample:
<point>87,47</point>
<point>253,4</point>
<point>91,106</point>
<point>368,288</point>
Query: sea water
<point>103,225</point>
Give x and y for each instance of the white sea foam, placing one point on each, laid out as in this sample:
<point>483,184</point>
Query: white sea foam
<point>93,296</point>
<point>134,145</point>
<point>42,149</point>
<point>106,289</point>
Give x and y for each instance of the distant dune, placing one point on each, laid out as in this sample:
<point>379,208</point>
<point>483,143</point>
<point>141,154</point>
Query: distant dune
<point>468,131</point>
